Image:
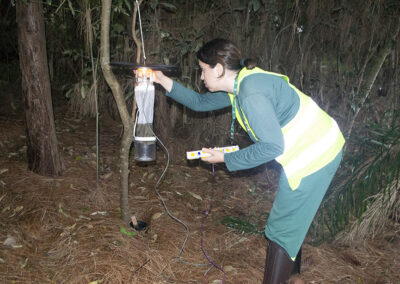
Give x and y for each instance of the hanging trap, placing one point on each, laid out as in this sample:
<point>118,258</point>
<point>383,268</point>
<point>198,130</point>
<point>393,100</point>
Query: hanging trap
<point>143,136</point>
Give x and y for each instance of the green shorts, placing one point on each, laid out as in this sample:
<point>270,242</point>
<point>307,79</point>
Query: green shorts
<point>293,210</point>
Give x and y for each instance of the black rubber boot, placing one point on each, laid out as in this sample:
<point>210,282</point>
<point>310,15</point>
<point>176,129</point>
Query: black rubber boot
<point>297,263</point>
<point>279,266</point>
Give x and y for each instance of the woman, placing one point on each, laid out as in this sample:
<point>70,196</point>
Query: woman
<point>284,125</point>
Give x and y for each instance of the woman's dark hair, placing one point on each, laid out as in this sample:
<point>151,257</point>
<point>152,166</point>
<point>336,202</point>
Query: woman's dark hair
<point>224,52</point>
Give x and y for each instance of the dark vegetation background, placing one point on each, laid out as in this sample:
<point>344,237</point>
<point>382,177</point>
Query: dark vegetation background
<point>344,54</point>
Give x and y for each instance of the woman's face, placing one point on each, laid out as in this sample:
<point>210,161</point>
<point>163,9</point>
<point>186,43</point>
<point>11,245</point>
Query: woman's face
<point>210,76</point>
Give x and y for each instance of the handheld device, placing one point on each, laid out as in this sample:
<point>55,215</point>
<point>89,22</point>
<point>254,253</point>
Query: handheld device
<point>191,155</point>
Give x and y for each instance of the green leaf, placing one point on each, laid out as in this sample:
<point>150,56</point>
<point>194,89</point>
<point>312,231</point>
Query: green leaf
<point>123,231</point>
<point>69,94</point>
<point>118,28</point>
<point>129,95</point>
<point>128,4</point>
<point>60,210</point>
<point>154,4</point>
<point>240,225</point>
<point>168,7</point>
<point>71,8</point>
<point>254,5</point>
<point>164,35</point>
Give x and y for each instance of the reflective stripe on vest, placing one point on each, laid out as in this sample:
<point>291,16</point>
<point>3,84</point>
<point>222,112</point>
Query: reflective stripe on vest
<point>312,138</point>
<point>243,73</point>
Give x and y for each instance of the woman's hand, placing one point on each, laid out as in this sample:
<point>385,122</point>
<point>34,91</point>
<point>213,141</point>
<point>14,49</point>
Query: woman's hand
<point>163,80</point>
<point>216,156</point>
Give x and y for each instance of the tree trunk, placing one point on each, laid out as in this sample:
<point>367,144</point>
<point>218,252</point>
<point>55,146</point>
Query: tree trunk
<point>115,87</point>
<point>43,155</point>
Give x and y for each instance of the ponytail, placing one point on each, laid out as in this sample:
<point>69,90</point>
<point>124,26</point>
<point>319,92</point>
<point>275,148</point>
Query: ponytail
<point>248,63</point>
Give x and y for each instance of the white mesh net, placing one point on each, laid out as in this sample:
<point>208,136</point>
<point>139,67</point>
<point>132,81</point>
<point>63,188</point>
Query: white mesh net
<point>144,93</point>
<point>145,141</point>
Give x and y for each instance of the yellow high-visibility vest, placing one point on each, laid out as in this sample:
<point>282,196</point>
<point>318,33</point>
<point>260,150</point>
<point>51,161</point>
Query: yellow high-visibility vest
<point>312,138</point>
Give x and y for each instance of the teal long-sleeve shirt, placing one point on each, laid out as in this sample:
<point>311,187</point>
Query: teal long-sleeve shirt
<point>268,103</point>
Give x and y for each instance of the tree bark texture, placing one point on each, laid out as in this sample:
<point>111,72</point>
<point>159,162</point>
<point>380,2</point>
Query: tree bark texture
<point>112,82</point>
<point>43,155</point>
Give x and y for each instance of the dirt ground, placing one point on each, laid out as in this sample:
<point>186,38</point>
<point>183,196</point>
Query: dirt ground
<point>68,230</point>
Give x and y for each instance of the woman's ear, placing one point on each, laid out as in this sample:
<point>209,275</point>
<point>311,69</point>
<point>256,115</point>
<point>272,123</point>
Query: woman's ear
<point>219,69</point>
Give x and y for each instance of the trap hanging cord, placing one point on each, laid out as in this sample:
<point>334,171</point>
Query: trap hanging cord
<point>179,258</point>
<point>169,213</point>
<point>161,177</point>
<point>202,232</point>
<point>163,202</point>
<point>141,32</point>
<point>167,165</point>
<point>164,147</point>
